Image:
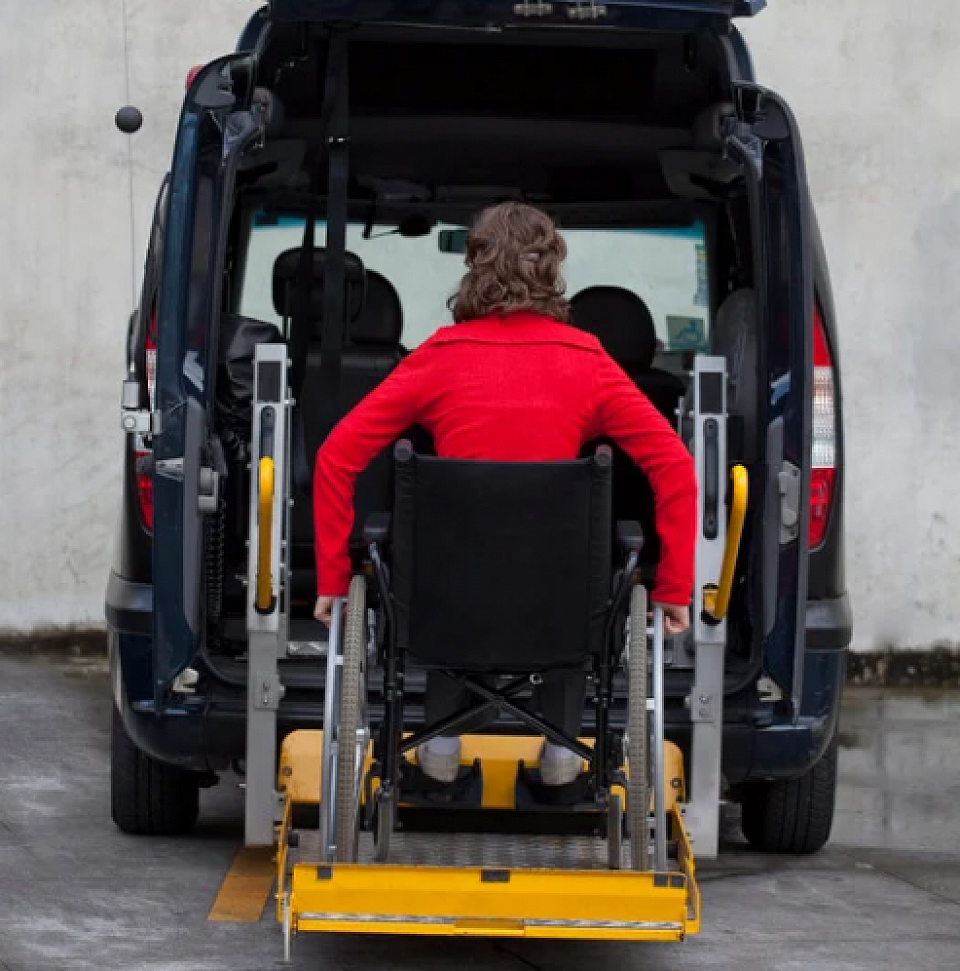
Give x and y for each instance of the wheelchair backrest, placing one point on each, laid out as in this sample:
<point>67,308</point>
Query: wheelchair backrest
<point>501,566</point>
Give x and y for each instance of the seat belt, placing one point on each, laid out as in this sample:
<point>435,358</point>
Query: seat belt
<point>303,283</point>
<point>334,286</point>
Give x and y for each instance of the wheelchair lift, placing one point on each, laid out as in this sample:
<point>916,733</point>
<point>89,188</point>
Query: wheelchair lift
<point>464,883</point>
<point>268,596</point>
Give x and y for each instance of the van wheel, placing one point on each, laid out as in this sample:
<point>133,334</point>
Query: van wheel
<point>149,798</point>
<point>792,815</point>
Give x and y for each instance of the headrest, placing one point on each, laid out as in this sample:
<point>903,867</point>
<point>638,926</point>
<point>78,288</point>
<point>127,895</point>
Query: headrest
<point>621,321</point>
<point>381,321</point>
<point>285,272</point>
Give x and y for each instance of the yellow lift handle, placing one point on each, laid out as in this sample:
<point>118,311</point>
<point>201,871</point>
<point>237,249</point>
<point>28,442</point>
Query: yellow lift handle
<point>263,599</point>
<point>716,599</point>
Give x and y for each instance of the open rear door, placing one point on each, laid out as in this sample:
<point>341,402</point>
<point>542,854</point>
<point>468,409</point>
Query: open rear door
<point>186,464</point>
<point>767,141</point>
<point>689,15</point>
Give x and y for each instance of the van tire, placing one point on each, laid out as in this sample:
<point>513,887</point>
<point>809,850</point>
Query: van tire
<point>792,815</point>
<point>147,797</point>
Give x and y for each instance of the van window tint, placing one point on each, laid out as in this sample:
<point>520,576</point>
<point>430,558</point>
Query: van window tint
<point>666,267</point>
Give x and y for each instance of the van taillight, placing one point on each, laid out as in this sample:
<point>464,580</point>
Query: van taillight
<point>143,454</point>
<point>143,457</point>
<point>824,466</point>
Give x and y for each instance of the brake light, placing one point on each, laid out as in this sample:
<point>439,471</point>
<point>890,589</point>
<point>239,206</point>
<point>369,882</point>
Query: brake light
<point>145,486</point>
<point>824,464</point>
<point>144,451</point>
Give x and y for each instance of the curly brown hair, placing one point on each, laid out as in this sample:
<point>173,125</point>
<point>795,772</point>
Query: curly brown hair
<point>514,254</point>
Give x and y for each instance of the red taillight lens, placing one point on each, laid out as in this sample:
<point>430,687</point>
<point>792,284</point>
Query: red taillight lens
<point>145,487</point>
<point>824,434</point>
<point>143,452</point>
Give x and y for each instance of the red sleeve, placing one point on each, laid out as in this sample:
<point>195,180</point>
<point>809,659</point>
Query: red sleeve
<point>625,415</point>
<point>357,439</point>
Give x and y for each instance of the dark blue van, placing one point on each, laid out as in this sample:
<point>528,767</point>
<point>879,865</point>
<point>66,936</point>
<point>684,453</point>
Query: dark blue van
<point>680,186</point>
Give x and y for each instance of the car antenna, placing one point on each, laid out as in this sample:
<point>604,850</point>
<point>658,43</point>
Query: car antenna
<point>129,120</point>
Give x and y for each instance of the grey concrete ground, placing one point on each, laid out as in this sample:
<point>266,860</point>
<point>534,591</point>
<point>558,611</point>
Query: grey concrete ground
<point>75,894</point>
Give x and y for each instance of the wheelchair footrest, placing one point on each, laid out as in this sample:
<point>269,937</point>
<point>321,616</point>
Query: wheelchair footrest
<point>532,791</point>
<point>419,789</point>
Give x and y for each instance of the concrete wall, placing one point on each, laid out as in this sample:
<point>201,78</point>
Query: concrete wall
<point>871,80</point>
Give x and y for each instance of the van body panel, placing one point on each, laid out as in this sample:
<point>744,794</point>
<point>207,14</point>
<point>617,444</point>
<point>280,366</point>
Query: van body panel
<point>646,14</point>
<point>153,602</point>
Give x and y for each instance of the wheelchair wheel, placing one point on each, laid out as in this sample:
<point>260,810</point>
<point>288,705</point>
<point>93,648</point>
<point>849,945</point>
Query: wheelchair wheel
<point>638,790</point>
<point>352,730</point>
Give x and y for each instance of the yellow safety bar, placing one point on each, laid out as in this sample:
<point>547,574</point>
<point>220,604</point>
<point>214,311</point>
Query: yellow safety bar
<point>264,591</point>
<point>716,599</point>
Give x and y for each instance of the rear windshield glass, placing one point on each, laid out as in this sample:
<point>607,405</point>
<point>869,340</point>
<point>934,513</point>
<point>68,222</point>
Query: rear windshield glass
<point>666,267</point>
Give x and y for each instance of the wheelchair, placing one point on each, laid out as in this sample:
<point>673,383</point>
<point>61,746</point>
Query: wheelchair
<point>496,574</point>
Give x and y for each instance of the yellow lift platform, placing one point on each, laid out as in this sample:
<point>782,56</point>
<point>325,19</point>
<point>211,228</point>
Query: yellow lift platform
<point>496,865</point>
<point>480,884</point>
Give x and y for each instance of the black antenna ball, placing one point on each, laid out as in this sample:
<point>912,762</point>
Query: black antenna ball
<point>129,120</point>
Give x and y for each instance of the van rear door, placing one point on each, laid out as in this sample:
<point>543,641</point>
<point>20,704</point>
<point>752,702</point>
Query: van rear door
<point>186,455</point>
<point>767,142</point>
<point>686,15</point>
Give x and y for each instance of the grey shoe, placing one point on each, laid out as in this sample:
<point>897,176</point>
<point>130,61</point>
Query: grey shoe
<point>440,758</point>
<point>559,766</point>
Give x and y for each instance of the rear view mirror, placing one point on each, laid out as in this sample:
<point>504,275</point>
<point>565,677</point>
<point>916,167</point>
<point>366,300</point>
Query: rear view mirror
<point>452,240</point>
<point>415,225</point>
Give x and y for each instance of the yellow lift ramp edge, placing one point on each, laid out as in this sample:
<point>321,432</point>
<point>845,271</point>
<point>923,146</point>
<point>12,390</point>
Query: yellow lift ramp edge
<point>480,885</point>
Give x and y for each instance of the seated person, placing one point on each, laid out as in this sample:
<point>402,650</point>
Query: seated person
<point>510,380</point>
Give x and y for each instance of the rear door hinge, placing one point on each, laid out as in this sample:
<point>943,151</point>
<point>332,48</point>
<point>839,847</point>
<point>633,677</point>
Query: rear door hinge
<point>133,419</point>
<point>589,10</point>
<point>532,8</point>
<point>208,496</point>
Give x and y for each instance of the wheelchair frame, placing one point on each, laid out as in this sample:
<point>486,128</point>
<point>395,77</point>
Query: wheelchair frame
<point>605,759</point>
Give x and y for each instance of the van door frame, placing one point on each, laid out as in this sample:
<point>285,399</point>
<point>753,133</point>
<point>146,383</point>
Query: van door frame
<point>768,143</point>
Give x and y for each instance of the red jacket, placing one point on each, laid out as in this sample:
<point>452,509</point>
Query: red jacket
<point>523,388</point>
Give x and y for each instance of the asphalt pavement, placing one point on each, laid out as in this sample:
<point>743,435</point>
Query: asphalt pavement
<point>77,894</point>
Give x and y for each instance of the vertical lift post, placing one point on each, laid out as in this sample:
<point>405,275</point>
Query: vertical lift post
<point>268,595</point>
<point>716,554</point>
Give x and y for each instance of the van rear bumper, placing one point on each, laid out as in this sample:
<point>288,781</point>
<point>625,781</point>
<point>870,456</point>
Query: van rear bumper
<point>208,732</point>
<point>788,750</point>
<point>829,624</point>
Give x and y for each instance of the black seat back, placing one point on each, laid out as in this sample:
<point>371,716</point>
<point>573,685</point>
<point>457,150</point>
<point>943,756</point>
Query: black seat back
<point>623,324</point>
<point>371,351</point>
<point>501,566</point>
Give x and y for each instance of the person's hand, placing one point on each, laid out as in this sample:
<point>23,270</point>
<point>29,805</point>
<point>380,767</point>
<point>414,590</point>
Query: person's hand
<point>323,610</point>
<point>676,619</point>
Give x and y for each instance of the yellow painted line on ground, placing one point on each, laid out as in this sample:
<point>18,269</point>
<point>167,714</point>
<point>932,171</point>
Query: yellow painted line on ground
<point>246,887</point>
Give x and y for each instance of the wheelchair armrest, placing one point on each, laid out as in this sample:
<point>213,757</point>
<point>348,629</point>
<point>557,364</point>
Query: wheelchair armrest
<point>376,528</point>
<point>630,536</point>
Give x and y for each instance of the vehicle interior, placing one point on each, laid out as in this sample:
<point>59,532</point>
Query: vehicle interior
<point>625,139</point>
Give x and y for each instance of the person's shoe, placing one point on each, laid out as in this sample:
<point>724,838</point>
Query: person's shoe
<point>440,758</point>
<point>559,766</point>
